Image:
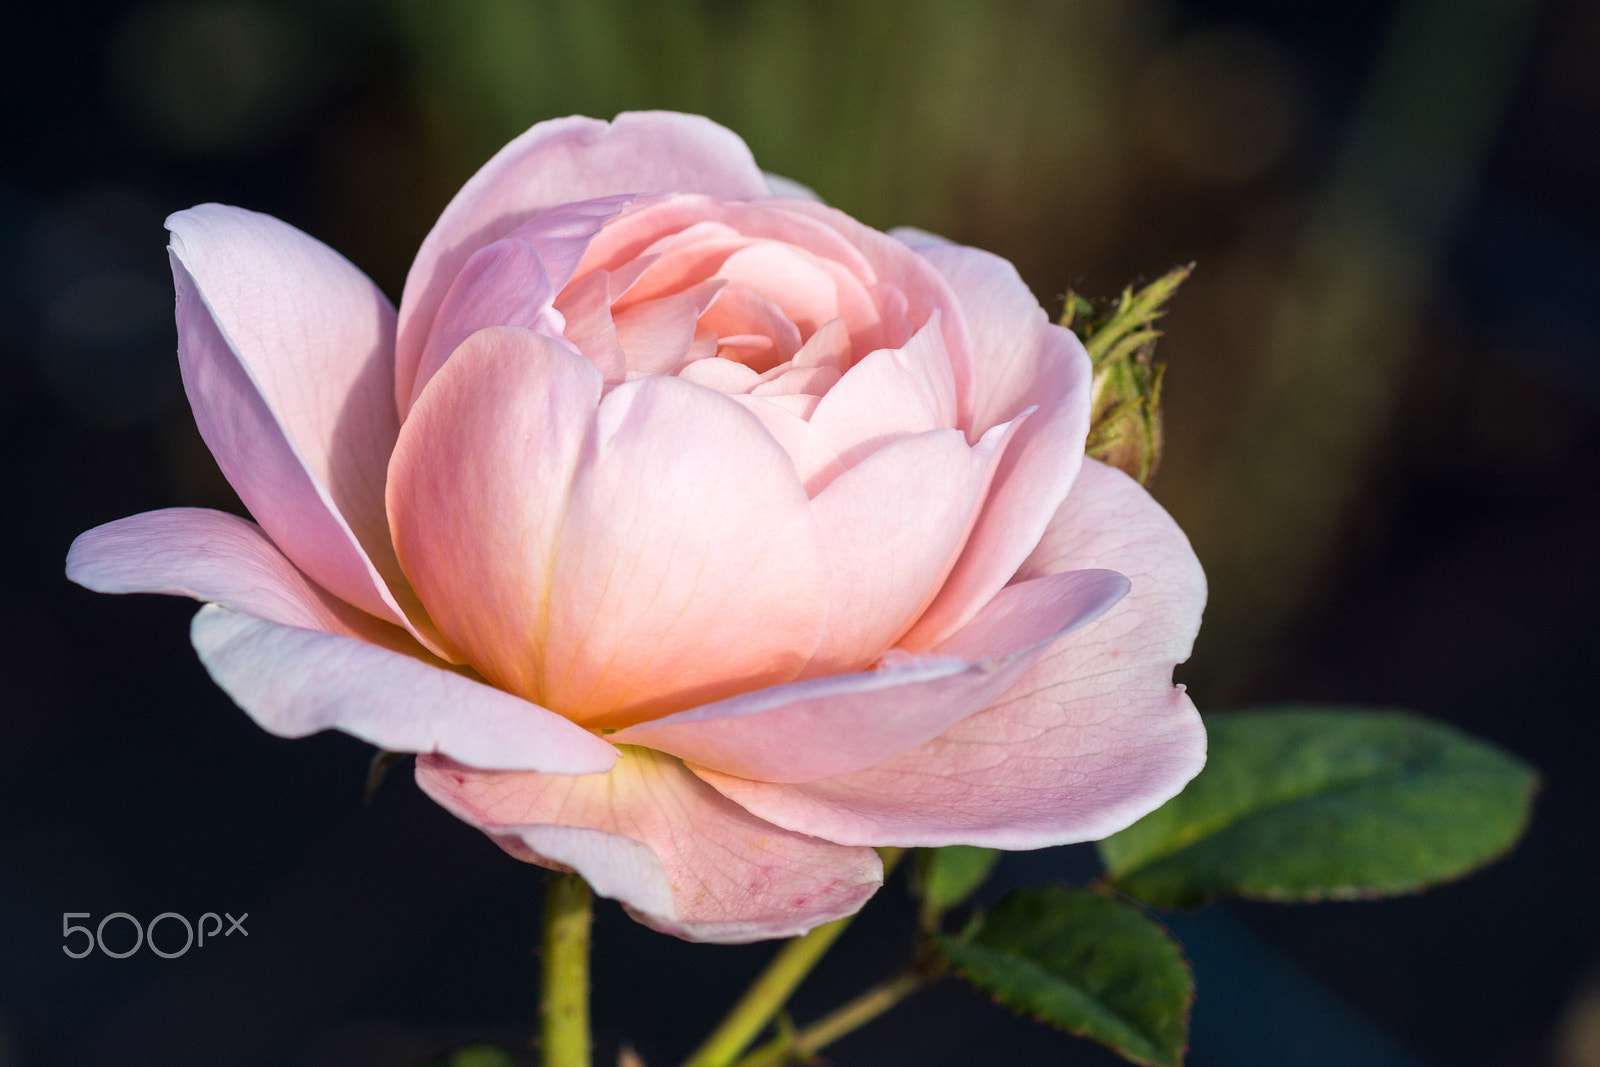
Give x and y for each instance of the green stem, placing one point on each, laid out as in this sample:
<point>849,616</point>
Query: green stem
<point>801,1047</point>
<point>767,996</point>
<point>764,999</point>
<point>568,907</point>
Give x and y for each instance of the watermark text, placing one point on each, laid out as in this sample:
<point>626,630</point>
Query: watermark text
<point>80,941</point>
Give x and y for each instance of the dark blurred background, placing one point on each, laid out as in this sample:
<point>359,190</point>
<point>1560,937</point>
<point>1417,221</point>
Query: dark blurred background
<point>1382,405</point>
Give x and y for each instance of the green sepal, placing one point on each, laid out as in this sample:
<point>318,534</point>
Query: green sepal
<point>1125,406</point>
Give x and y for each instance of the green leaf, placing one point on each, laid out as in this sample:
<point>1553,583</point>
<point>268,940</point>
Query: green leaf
<point>1306,803</point>
<point>947,876</point>
<point>1083,962</point>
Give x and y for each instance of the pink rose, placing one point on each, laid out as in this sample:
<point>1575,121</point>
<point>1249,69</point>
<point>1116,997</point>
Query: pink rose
<point>697,538</point>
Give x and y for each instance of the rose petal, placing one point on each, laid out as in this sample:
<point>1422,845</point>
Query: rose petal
<point>1093,737</point>
<point>649,834</point>
<point>656,334</point>
<point>1034,476</point>
<point>284,349</point>
<point>706,231</point>
<point>924,289</point>
<point>829,726</point>
<point>723,375</point>
<point>815,461</point>
<point>800,285</point>
<point>562,162</point>
<point>295,682</point>
<point>510,282</point>
<point>209,556</point>
<point>478,488</point>
<point>788,187</point>
<point>888,395</point>
<point>917,239</point>
<point>1014,343</point>
<point>812,380</point>
<point>740,311</point>
<point>689,566</point>
<point>828,347</point>
<point>586,306</point>
<point>892,527</point>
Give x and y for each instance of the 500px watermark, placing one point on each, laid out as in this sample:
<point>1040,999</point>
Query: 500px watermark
<point>146,935</point>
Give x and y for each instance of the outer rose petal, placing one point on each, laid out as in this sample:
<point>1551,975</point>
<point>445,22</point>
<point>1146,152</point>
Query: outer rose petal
<point>299,661</point>
<point>848,722</point>
<point>560,162</point>
<point>218,558</point>
<point>284,348</point>
<point>1023,361</point>
<point>649,834</point>
<point>295,682</point>
<point>478,489</point>
<point>788,187</point>
<point>1092,738</point>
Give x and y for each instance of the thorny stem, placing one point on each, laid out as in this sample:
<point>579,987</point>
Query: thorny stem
<point>766,997</point>
<point>564,1027</point>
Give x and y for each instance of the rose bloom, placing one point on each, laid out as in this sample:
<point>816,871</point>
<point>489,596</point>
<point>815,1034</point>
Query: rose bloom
<point>696,536</point>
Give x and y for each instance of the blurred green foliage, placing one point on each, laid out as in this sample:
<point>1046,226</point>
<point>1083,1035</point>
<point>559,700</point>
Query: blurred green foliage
<point>897,111</point>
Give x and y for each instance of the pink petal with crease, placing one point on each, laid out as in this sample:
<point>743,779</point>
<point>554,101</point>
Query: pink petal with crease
<point>1034,477</point>
<point>813,380</point>
<point>832,726</point>
<point>656,335</point>
<point>787,419</point>
<point>295,682</point>
<point>828,347</point>
<point>586,307</point>
<point>504,284</point>
<point>685,259</point>
<point>562,162</point>
<point>1094,736</point>
<point>723,375</point>
<point>888,395</point>
<point>678,856</point>
<point>892,527</point>
<point>478,488</point>
<point>800,405</point>
<point>661,597</point>
<point>284,351</point>
<point>510,282</point>
<point>1015,345</point>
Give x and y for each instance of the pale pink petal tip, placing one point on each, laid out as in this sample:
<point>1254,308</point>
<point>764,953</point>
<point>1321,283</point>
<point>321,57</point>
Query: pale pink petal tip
<point>295,681</point>
<point>681,858</point>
